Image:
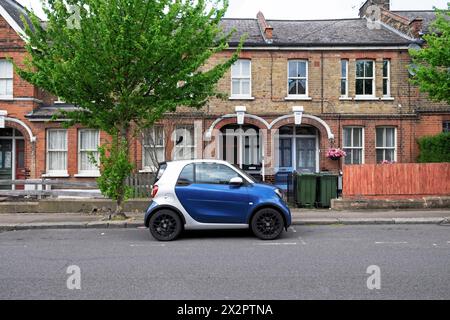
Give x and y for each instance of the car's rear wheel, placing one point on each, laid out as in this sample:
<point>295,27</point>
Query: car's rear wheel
<point>165,225</point>
<point>267,224</point>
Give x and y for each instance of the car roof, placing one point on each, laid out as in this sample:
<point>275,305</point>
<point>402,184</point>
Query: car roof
<point>185,162</point>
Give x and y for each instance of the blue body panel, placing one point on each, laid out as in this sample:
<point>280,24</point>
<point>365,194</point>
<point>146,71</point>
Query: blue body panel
<point>215,203</point>
<point>229,205</point>
<point>263,195</point>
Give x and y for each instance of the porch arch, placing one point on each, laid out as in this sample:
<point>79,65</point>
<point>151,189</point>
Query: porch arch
<point>276,123</point>
<point>24,126</point>
<point>257,121</point>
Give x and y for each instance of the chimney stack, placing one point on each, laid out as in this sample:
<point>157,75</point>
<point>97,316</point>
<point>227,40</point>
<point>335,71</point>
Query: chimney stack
<point>266,29</point>
<point>383,4</point>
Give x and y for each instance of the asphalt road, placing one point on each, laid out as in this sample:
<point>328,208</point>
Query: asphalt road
<point>309,262</point>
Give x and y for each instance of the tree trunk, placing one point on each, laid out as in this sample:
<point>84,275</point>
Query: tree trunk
<point>121,142</point>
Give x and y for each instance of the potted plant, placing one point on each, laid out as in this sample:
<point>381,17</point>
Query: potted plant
<point>336,154</point>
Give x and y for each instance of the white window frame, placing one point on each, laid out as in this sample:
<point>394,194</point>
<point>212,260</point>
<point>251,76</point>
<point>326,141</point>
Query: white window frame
<point>352,147</point>
<point>364,78</point>
<point>87,173</point>
<point>294,137</point>
<point>144,146</point>
<point>344,79</point>
<point>387,78</point>
<point>298,96</point>
<point>183,144</point>
<point>8,78</point>
<point>241,78</point>
<point>56,173</point>
<point>384,143</point>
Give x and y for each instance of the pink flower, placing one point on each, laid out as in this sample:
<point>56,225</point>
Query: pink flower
<point>336,153</point>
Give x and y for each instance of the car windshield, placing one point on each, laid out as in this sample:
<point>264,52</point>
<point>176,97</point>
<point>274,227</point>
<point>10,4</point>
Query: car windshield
<point>244,174</point>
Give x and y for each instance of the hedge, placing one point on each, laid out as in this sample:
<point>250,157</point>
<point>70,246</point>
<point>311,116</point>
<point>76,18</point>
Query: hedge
<point>435,149</point>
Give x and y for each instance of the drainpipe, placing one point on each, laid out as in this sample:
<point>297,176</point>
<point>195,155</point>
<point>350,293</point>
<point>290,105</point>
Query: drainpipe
<point>321,81</point>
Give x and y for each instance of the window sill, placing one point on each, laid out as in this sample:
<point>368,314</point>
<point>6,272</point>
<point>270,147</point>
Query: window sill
<point>241,98</point>
<point>345,99</point>
<point>56,175</point>
<point>6,98</point>
<point>87,175</point>
<point>298,98</point>
<point>387,99</point>
<point>362,98</point>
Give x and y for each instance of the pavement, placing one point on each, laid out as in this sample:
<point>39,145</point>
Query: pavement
<point>11,222</point>
<point>308,262</point>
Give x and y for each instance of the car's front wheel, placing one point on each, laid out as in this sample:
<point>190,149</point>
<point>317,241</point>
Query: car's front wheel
<point>267,224</point>
<point>165,225</point>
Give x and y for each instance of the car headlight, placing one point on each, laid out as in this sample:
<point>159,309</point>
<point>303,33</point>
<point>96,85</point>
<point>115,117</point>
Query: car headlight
<point>279,193</point>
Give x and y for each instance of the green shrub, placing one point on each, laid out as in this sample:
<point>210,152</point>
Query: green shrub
<point>435,149</point>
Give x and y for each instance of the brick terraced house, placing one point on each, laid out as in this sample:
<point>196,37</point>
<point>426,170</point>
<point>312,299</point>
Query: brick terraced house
<point>298,89</point>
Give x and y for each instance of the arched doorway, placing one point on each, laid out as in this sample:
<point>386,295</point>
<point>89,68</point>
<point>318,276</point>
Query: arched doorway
<point>12,156</point>
<point>242,146</point>
<point>298,149</point>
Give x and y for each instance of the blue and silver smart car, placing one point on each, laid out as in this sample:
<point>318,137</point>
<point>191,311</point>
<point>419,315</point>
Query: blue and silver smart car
<point>212,194</point>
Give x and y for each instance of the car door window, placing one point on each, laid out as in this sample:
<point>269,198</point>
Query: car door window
<point>187,175</point>
<point>213,173</point>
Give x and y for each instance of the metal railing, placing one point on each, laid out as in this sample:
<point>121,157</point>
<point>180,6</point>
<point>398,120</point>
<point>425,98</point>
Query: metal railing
<point>141,184</point>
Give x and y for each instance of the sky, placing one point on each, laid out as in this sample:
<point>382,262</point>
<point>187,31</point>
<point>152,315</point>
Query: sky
<point>300,9</point>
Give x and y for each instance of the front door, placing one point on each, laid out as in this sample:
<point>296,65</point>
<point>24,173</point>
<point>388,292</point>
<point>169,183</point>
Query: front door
<point>306,154</point>
<point>6,161</point>
<point>205,193</point>
<point>20,162</point>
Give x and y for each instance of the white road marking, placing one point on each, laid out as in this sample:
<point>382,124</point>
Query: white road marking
<point>399,242</point>
<point>293,229</point>
<point>147,245</point>
<point>277,244</point>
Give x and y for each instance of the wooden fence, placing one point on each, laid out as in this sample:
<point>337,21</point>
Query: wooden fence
<point>141,184</point>
<point>408,180</point>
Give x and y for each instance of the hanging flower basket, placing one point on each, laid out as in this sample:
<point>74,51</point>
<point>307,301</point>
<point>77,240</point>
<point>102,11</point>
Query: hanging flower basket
<point>336,154</point>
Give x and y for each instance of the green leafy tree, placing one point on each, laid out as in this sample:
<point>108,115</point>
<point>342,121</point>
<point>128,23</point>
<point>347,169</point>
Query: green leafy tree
<point>435,149</point>
<point>124,64</point>
<point>432,63</point>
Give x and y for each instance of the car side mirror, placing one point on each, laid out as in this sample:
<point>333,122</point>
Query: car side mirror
<point>236,182</point>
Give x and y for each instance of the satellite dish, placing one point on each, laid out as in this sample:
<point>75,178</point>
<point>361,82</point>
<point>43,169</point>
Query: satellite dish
<point>412,70</point>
